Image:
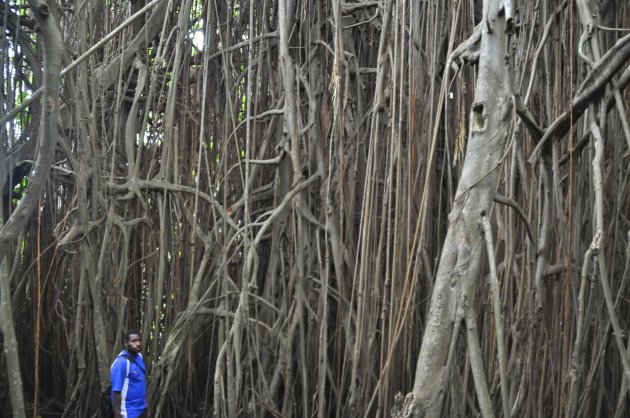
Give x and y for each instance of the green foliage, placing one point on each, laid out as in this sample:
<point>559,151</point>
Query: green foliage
<point>21,97</point>
<point>19,190</point>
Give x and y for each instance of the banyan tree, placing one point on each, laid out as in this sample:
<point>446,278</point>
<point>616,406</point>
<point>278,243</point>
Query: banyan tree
<point>408,208</point>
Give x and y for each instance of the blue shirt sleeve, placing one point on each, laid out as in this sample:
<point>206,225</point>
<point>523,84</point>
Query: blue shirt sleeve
<point>118,374</point>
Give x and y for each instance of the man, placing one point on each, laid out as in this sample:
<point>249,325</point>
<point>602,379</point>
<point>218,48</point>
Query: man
<point>129,389</point>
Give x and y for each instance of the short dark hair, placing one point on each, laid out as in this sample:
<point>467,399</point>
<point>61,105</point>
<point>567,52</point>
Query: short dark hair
<point>129,333</point>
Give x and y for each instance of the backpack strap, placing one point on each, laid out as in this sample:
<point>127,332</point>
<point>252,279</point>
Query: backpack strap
<point>134,362</point>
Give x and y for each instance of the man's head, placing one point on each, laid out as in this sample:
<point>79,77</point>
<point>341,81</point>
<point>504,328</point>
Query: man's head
<point>133,341</point>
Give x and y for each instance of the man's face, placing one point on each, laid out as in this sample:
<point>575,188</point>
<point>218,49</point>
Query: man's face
<point>134,344</point>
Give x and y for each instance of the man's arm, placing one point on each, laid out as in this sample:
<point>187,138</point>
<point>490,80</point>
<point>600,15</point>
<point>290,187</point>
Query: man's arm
<point>117,403</point>
<point>118,374</point>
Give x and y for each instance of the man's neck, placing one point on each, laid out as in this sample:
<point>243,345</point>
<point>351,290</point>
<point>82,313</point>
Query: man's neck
<point>130,353</point>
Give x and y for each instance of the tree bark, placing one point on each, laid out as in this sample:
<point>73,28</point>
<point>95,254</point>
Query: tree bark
<point>460,262</point>
<point>262,187</point>
<point>53,52</point>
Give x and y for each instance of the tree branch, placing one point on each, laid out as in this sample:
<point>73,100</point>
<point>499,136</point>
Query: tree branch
<point>595,82</point>
<point>498,315</point>
<point>504,200</point>
<point>52,46</point>
<point>49,133</point>
<point>521,109</point>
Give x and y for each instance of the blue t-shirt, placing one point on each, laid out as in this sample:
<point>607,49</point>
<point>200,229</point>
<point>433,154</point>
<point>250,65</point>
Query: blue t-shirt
<point>128,379</point>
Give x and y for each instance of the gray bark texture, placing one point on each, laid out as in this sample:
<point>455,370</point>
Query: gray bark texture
<point>317,208</point>
<point>50,39</point>
<point>459,267</point>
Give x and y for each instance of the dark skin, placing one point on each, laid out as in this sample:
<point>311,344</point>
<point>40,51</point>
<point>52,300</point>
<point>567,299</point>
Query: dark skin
<point>133,346</point>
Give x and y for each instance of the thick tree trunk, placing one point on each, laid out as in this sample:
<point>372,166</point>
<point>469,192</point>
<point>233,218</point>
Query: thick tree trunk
<point>52,43</point>
<point>461,259</point>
